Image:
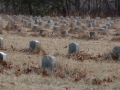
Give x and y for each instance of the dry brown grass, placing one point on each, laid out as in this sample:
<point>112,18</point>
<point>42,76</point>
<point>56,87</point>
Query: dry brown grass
<point>94,68</point>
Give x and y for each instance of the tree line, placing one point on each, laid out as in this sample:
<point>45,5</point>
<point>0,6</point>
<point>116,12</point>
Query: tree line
<point>60,7</point>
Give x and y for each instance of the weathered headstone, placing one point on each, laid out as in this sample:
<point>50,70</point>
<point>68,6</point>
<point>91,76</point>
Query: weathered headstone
<point>34,45</point>
<point>94,23</point>
<point>56,23</point>
<point>73,48</point>
<point>108,18</point>
<point>109,25</point>
<point>63,21</point>
<point>50,21</point>
<point>101,29</point>
<point>29,24</point>
<point>116,51</point>
<point>77,28</point>
<point>72,24</point>
<point>1,42</point>
<point>98,18</point>
<point>64,33</point>
<point>40,22</point>
<point>92,34</point>
<point>47,25</point>
<point>55,28</point>
<point>2,57</point>
<point>35,27</point>
<point>90,25</point>
<point>78,23</point>
<point>105,27</point>
<point>48,62</point>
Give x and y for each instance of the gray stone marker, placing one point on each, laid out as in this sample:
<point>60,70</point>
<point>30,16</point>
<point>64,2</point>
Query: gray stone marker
<point>63,21</point>
<point>35,27</point>
<point>72,24</point>
<point>40,22</point>
<point>77,28</point>
<point>94,23</point>
<point>56,23</point>
<point>48,62</point>
<point>29,24</point>
<point>108,18</point>
<point>1,42</point>
<point>90,25</point>
<point>105,27</point>
<point>2,57</point>
<point>109,25</point>
<point>47,25</point>
<point>98,18</point>
<point>92,34</point>
<point>55,28</point>
<point>101,21</point>
<point>116,51</point>
<point>73,48</point>
<point>34,45</point>
<point>16,26</point>
<point>78,23</point>
<point>64,33</point>
<point>50,21</point>
<point>101,29</point>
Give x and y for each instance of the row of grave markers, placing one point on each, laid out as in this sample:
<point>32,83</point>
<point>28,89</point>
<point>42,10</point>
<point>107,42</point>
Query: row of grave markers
<point>49,61</point>
<point>75,23</point>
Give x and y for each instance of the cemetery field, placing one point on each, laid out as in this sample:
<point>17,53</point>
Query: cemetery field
<point>94,67</point>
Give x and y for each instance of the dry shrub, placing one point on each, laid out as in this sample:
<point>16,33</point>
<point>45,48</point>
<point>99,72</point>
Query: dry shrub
<point>108,57</point>
<point>115,39</point>
<point>86,36</point>
<point>38,50</point>
<point>83,36</point>
<point>102,32</point>
<point>81,56</point>
<point>117,34</point>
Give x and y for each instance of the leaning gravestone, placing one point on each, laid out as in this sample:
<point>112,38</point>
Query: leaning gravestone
<point>1,42</point>
<point>34,45</point>
<point>73,48</point>
<point>116,52</point>
<point>48,62</point>
<point>2,57</point>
